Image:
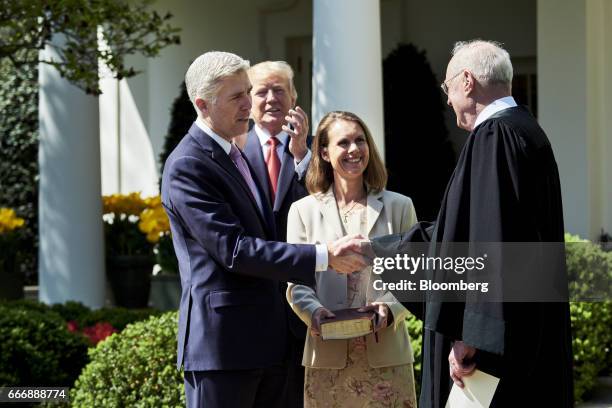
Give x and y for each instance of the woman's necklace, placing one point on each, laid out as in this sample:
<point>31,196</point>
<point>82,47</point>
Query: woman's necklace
<point>345,214</point>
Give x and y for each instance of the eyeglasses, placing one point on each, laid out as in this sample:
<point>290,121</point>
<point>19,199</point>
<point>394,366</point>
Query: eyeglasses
<point>444,85</point>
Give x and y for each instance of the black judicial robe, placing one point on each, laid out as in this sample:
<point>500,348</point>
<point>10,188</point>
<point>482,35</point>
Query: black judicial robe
<point>505,188</point>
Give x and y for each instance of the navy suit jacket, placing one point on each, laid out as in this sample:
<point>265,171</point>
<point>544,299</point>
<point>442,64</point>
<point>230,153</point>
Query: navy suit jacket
<point>231,313</point>
<point>290,188</point>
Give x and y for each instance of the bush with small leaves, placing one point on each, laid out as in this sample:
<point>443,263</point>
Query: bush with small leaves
<point>36,349</point>
<point>591,321</point>
<point>134,368</point>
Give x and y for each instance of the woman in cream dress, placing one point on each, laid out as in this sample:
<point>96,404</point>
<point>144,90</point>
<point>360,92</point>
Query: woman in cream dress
<point>346,180</point>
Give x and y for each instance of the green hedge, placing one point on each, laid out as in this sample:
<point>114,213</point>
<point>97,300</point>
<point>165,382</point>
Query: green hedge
<point>135,368</point>
<point>591,322</point>
<point>36,347</point>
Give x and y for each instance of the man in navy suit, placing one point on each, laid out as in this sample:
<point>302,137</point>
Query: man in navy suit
<point>280,156</point>
<point>232,335</point>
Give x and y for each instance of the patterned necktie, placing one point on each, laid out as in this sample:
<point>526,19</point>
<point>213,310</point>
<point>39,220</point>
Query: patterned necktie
<point>239,161</point>
<point>273,164</point>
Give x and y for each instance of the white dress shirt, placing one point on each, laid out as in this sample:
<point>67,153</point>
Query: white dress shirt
<point>494,107</point>
<point>321,262</point>
<point>283,138</point>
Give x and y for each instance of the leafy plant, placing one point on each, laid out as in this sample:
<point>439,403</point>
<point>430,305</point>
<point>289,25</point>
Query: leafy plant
<point>588,265</point>
<point>134,368</point>
<point>37,350</point>
<point>415,329</point>
<point>71,28</point>
<point>19,156</point>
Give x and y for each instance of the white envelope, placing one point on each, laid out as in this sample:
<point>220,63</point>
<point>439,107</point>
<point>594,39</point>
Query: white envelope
<point>478,392</point>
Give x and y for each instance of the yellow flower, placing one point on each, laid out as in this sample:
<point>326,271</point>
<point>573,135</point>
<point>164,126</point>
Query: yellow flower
<point>9,220</point>
<point>128,204</point>
<point>153,220</point>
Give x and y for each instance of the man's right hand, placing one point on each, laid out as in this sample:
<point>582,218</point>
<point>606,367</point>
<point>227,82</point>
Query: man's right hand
<point>319,315</point>
<point>344,255</point>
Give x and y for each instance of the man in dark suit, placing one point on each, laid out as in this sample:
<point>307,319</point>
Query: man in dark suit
<point>232,336</point>
<point>280,156</point>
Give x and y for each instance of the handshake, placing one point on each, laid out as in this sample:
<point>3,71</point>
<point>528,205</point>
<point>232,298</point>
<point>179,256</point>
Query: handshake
<point>349,254</point>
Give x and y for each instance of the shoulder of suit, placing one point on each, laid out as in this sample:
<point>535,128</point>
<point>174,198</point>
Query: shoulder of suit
<point>393,197</point>
<point>310,202</point>
<point>307,201</point>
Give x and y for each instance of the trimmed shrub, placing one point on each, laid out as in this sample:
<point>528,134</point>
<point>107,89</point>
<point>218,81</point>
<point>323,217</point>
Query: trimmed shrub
<point>591,322</point>
<point>71,310</point>
<point>37,349</point>
<point>415,329</point>
<point>134,368</point>
<point>118,317</point>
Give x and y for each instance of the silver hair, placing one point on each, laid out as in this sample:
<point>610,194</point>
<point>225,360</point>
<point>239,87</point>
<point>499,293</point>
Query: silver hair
<point>488,61</point>
<point>275,67</point>
<point>203,78</point>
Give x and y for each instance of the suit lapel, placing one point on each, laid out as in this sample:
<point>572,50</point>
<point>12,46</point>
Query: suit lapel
<point>285,177</point>
<point>329,210</point>
<point>223,159</point>
<point>374,208</point>
<point>253,152</point>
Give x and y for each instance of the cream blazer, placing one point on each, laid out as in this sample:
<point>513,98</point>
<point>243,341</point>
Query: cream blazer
<point>315,219</point>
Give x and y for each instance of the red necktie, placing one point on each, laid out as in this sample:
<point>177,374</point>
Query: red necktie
<point>273,164</point>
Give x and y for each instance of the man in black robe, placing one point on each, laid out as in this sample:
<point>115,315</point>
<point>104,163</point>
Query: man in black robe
<point>505,188</point>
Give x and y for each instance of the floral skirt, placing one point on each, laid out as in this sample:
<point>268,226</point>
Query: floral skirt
<point>358,384</point>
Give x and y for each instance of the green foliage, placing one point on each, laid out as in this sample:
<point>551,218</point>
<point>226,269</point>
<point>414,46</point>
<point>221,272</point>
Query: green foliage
<point>415,329</point>
<point>591,321</point>
<point>128,27</point>
<point>181,118</point>
<point>416,137</point>
<point>591,341</point>
<point>37,349</point>
<point>19,156</point>
<point>70,310</point>
<point>135,368</point>
<point>118,317</point>
<point>588,265</point>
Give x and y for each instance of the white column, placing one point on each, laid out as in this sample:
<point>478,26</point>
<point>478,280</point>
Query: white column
<point>574,86</point>
<point>71,255</point>
<point>347,62</point>
<point>562,103</point>
<point>599,106</point>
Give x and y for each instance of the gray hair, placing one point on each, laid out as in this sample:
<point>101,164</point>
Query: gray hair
<point>488,61</point>
<point>203,78</point>
<point>275,67</point>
